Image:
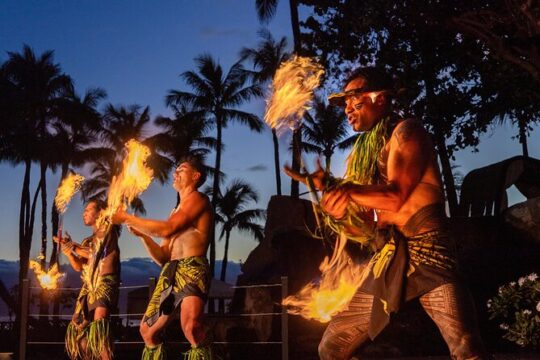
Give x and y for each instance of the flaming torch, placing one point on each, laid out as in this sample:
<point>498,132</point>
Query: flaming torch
<point>134,178</point>
<point>292,89</point>
<point>338,284</point>
<point>68,187</point>
<point>47,279</point>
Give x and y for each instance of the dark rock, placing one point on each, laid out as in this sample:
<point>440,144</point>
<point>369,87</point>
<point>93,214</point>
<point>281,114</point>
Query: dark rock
<point>525,217</point>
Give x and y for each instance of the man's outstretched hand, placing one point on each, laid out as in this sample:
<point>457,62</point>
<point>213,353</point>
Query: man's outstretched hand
<point>119,217</point>
<point>136,231</point>
<point>318,176</point>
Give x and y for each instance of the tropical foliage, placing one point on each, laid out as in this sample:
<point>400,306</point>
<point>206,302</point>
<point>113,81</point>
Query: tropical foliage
<point>266,59</point>
<point>456,82</point>
<point>232,214</point>
<point>517,309</point>
<point>216,97</point>
<point>326,131</point>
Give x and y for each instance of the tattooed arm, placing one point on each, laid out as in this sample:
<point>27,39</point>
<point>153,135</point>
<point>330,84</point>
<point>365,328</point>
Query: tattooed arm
<point>410,151</point>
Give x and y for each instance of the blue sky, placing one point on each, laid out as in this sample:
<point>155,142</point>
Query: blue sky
<point>135,50</point>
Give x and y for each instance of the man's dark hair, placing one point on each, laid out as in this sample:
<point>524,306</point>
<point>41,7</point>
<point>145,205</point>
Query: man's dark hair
<point>197,163</point>
<point>100,204</point>
<point>377,78</point>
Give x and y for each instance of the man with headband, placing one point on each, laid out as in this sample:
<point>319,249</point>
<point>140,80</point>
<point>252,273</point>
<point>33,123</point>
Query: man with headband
<point>393,177</point>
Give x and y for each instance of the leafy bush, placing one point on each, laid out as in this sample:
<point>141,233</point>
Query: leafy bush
<point>517,307</point>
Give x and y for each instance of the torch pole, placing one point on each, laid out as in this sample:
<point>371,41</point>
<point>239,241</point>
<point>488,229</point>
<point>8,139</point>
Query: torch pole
<point>59,235</point>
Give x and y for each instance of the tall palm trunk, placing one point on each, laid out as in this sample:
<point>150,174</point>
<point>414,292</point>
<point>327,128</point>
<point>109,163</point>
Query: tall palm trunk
<point>297,134</point>
<point>55,219</point>
<point>328,160</point>
<point>24,212</point>
<point>25,242</point>
<point>215,191</point>
<point>448,176</point>
<point>522,123</point>
<point>225,256</point>
<point>440,143</point>
<point>24,245</point>
<point>43,184</point>
<point>296,161</point>
<point>295,24</point>
<point>43,303</point>
<point>276,162</point>
<point>54,259</point>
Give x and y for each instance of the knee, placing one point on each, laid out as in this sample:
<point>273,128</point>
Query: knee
<point>326,352</point>
<point>147,334</point>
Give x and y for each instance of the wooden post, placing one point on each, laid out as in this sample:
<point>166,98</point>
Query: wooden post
<point>24,318</point>
<point>284,320</point>
<point>151,286</point>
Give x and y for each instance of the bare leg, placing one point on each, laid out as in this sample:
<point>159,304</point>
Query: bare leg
<point>347,330</point>
<point>192,321</point>
<point>451,308</point>
<point>152,334</point>
<point>99,314</point>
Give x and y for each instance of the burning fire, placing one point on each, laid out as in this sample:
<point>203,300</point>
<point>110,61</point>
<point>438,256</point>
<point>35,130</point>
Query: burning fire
<point>69,186</point>
<point>47,279</point>
<point>133,180</point>
<point>331,295</point>
<point>292,89</point>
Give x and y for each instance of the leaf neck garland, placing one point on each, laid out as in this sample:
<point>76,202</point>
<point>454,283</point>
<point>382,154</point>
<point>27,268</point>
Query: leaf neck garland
<point>361,169</point>
<point>362,161</point>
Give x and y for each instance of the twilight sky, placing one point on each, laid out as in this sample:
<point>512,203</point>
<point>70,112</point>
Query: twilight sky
<point>135,50</point>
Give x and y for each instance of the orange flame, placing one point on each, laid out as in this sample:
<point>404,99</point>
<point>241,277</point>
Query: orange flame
<point>292,89</point>
<point>68,187</point>
<point>47,279</point>
<point>133,180</point>
<point>332,295</point>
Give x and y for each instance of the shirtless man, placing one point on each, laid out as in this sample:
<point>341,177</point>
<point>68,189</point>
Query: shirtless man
<point>393,170</point>
<point>185,277</point>
<point>99,261</point>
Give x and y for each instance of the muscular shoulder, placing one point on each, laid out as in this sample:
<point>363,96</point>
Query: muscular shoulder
<point>196,201</point>
<point>409,130</point>
<point>201,197</point>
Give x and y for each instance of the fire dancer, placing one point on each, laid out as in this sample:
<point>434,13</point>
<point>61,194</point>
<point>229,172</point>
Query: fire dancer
<point>88,334</point>
<point>185,276</point>
<point>392,170</point>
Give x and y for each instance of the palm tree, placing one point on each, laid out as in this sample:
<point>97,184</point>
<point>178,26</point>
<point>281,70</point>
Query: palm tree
<point>231,212</point>
<point>122,124</point>
<point>266,58</point>
<point>265,12</point>
<point>77,124</point>
<point>34,84</point>
<point>184,134</point>
<point>326,131</point>
<point>217,96</point>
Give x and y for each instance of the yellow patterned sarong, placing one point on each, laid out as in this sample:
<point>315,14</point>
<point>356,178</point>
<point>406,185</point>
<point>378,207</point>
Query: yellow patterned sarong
<point>189,276</point>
